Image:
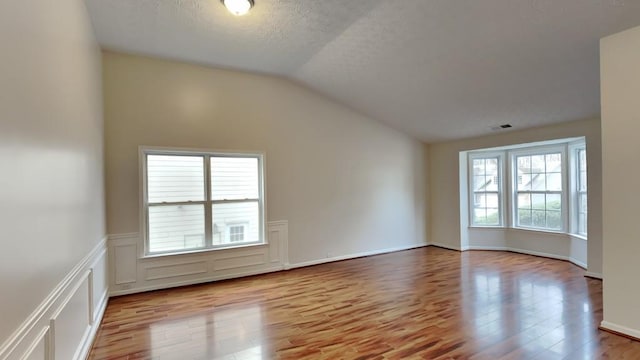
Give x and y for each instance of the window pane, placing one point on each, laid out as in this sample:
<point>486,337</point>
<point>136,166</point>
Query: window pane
<point>538,218</point>
<point>524,182</point>
<point>554,220</point>
<point>478,167</point>
<point>538,182</point>
<point>524,217</point>
<point>228,218</point>
<point>480,216</point>
<point>553,162</point>
<point>582,223</point>
<point>582,170</point>
<point>583,203</point>
<point>492,167</point>
<point>537,164</point>
<point>524,164</point>
<point>179,227</point>
<point>554,202</point>
<point>480,200</point>
<point>492,200</point>
<point>524,201</point>
<point>174,178</point>
<point>554,182</point>
<point>538,201</point>
<point>582,186</point>
<point>493,216</point>
<point>492,183</point>
<point>234,178</point>
<point>479,183</point>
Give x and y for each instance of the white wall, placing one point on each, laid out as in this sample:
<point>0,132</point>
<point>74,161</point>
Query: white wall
<point>620,86</point>
<point>447,230</point>
<point>51,212</point>
<point>346,184</point>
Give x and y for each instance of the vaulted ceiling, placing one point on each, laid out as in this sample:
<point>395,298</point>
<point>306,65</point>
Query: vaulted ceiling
<point>436,69</point>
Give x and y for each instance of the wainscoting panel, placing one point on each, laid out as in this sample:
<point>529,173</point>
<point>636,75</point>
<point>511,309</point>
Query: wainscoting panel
<point>240,261</point>
<point>176,270</point>
<point>65,323</point>
<point>38,350</point>
<point>124,260</point>
<point>71,324</point>
<point>131,273</point>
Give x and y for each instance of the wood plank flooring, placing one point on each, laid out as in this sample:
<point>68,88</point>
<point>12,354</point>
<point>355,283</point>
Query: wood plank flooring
<point>427,303</point>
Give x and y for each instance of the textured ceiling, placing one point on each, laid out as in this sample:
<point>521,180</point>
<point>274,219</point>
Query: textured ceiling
<point>436,69</point>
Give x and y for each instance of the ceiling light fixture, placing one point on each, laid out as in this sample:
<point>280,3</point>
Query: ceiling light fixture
<point>238,7</point>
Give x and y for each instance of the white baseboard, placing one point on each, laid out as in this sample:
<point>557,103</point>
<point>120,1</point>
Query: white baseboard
<point>530,252</point>
<point>446,246</point>
<point>593,275</point>
<point>353,256</point>
<point>620,329</point>
<point>169,285</point>
<point>41,333</point>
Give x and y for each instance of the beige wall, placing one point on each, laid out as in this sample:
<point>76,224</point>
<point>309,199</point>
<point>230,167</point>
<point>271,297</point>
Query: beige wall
<point>620,79</point>
<point>445,190</point>
<point>50,150</point>
<point>346,184</point>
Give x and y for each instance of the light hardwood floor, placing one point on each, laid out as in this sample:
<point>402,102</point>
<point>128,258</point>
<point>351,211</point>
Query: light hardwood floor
<point>427,303</point>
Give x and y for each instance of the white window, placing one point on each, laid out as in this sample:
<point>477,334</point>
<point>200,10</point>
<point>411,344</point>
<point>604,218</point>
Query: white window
<point>544,186</point>
<point>486,189</point>
<point>580,159</point>
<point>201,200</point>
<point>539,190</point>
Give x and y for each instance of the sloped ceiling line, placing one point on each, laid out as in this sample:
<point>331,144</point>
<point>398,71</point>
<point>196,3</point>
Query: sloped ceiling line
<point>435,69</point>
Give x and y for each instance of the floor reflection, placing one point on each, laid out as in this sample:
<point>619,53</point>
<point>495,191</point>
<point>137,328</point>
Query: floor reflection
<point>228,333</point>
<point>421,304</point>
<point>533,315</point>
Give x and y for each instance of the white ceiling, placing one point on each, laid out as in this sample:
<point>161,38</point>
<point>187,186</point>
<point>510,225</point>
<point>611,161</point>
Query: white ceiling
<point>436,69</point>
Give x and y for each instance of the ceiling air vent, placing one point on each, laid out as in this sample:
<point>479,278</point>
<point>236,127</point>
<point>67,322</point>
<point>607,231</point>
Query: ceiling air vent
<point>501,127</point>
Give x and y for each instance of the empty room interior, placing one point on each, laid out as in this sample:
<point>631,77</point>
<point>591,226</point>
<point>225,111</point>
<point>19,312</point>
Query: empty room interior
<point>319,179</point>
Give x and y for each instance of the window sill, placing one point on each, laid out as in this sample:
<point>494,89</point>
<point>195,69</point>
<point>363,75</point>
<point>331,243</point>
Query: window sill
<point>551,232</point>
<point>491,227</point>
<point>578,236</point>
<point>201,251</point>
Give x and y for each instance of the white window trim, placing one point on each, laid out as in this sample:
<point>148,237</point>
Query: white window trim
<point>501,198</point>
<point>508,182</point>
<point>539,150</point>
<point>143,151</point>
<point>575,194</point>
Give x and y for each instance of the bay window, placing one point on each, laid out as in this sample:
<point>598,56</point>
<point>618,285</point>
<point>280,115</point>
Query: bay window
<point>544,186</point>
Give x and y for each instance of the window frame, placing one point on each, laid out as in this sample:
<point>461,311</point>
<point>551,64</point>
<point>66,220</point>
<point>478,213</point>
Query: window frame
<point>574,155</point>
<point>537,151</point>
<point>500,192</point>
<point>208,203</point>
<point>570,178</point>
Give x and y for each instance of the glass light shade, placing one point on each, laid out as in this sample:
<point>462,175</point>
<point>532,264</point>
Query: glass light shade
<point>238,7</point>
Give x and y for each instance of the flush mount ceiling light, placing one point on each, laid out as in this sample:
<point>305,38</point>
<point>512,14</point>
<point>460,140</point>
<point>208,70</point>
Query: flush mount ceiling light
<point>238,7</point>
